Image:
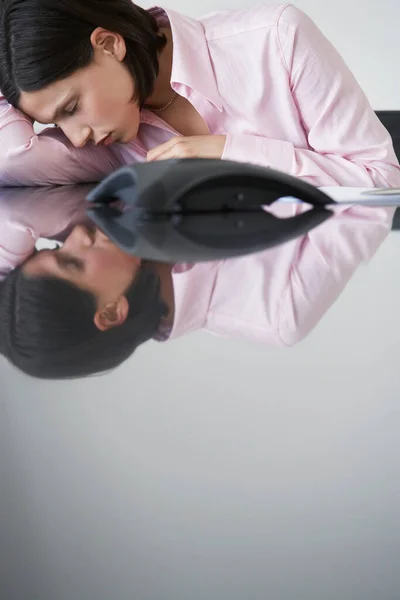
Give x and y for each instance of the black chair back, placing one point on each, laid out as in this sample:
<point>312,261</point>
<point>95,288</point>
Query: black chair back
<point>391,120</point>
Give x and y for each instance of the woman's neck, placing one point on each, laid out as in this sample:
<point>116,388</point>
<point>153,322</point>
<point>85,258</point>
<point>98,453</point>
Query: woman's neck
<point>164,272</point>
<point>162,88</point>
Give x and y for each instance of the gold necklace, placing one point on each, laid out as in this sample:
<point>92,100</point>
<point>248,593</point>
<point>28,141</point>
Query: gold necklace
<point>167,105</point>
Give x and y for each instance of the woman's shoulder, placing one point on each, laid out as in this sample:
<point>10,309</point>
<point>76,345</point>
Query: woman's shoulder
<point>227,23</point>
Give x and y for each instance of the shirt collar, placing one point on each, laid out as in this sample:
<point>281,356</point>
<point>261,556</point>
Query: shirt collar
<point>191,63</point>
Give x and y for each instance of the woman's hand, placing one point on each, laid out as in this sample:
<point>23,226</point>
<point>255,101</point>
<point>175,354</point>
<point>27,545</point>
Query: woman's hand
<point>196,146</point>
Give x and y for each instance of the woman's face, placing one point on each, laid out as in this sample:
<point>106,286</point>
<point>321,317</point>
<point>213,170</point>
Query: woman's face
<point>90,261</point>
<point>94,104</point>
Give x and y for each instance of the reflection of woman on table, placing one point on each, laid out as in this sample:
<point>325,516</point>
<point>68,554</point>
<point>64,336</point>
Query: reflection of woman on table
<point>86,307</point>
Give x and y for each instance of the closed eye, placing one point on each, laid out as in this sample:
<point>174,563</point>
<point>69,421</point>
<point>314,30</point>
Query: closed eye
<point>67,262</point>
<point>71,109</point>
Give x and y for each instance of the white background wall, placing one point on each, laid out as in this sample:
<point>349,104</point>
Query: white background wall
<point>206,469</point>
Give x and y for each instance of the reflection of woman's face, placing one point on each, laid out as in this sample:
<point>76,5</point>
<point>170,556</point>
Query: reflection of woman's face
<point>89,260</point>
<point>93,104</point>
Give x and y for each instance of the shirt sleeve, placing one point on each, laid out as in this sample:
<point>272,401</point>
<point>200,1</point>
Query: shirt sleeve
<point>47,158</point>
<point>348,145</point>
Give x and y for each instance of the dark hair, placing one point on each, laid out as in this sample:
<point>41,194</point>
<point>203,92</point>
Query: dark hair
<point>47,328</point>
<point>43,41</point>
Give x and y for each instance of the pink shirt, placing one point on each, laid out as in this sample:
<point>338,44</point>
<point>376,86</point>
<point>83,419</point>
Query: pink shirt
<point>269,80</point>
<point>265,77</point>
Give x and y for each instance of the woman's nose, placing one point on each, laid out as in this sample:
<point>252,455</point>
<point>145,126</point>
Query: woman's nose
<point>79,238</point>
<point>78,135</point>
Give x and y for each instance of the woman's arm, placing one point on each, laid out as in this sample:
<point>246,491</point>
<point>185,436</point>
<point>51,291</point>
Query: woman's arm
<point>48,158</point>
<point>348,144</point>
<point>26,214</point>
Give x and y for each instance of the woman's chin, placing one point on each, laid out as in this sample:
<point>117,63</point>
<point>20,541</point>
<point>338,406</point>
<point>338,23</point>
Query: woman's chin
<point>125,136</point>
<point>130,137</point>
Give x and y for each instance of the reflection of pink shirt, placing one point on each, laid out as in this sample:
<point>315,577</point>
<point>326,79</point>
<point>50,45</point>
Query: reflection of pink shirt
<point>269,80</point>
<point>27,214</point>
<point>279,295</point>
<point>264,76</point>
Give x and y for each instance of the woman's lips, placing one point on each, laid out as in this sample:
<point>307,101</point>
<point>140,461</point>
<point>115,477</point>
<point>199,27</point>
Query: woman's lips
<point>106,141</point>
<point>109,140</point>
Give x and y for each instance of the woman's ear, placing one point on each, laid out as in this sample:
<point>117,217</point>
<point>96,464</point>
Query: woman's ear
<point>111,43</point>
<point>112,314</point>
